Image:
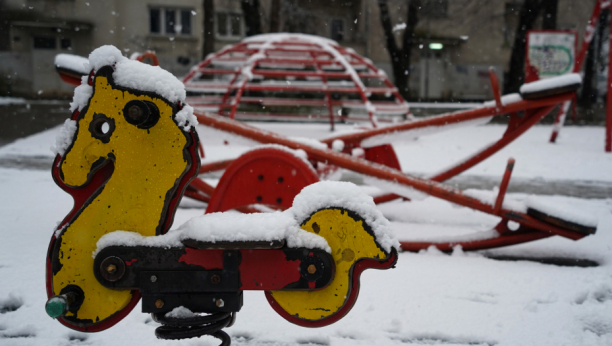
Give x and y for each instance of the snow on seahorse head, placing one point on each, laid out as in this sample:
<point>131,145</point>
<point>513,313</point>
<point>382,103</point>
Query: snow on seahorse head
<point>126,102</point>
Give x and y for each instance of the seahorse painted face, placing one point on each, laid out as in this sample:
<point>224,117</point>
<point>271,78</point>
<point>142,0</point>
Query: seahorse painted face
<point>152,157</point>
<point>118,125</point>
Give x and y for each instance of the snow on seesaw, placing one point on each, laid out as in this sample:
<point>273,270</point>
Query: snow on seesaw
<point>496,297</point>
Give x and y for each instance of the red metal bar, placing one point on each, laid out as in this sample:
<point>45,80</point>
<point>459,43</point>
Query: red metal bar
<point>215,166</point>
<point>507,138</point>
<point>215,101</point>
<point>504,240</point>
<point>362,166</point>
<point>293,117</point>
<point>398,97</point>
<point>328,99</point>
<point>195,194</point>
<point>503,187</point>
<point>292,73</point>
<point>200,185</point>
<point>559,120</point>
<point>452,118</point>
<point>495,87</point>
<point>193,86</point>
<point>386,198</point>
<point>512,133</point>
<point>208,60</point>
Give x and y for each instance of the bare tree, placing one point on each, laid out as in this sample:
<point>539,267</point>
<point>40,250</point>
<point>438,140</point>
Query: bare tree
<point>252,16</point>
<point>275,10</point>
<point>515,76</point>
<point>589,84</point>
<point>209,28</point>
<point>400,58</point>
<point>549,14</point>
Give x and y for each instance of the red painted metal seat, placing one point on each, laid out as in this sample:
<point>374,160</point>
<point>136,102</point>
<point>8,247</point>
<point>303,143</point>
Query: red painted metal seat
<point>266,176</point>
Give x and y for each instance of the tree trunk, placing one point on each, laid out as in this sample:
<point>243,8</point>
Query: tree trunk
<point>589,84</point>
<point>252,17</point>
<point>209,28</point>
<point>400,58</point>
<point>549,14</point>
<point>516,74</point>
<point>275,10</point>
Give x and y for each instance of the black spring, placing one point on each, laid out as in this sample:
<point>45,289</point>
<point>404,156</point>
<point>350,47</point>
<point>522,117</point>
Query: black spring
<point>194,327</point>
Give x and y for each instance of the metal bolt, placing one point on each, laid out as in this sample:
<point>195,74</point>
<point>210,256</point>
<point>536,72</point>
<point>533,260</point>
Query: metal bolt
<point>311,269</point>
<point>112,268</point>
<point>219,303</point>
<point>215,279</point>
<point>153,278</point>
<point>159,303</point>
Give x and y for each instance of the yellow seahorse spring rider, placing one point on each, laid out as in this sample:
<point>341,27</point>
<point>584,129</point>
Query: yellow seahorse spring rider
<point>126,156</point>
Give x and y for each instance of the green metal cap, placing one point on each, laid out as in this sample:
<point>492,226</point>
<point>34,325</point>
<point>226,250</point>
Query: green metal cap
<point>56,306</point>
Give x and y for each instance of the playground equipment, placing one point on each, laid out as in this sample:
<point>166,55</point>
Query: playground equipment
<point>130,153</point>
<point>267,76</point>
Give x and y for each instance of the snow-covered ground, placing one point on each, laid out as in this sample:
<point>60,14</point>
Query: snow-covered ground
<point>430,298</point>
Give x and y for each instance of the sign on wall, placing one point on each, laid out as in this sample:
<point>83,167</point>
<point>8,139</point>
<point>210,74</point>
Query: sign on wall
<point>549,53</point>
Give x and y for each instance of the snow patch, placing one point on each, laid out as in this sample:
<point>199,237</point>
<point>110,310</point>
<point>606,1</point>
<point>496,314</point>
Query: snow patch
<point>338,145</point>
<point>107,55</point>
<point>346,195</point>
<point>135,75</point>
<point>6,100</point>
<point>64,137</point>
<point>398,27</point>
<point>289,36</point>
<point>72,62</point>
<point>180,312</point>
<point>124,238</point>
<point>185,118</point>
<point>565,211</point>
<point>285,225</point>
<point>393,187</point>
<point>299,153</point>
<point>414,133</point>
<point>251,227</point>
<point>489,197</point>
<point>505,100</point>
<point>82,94</point>
<point>551,83</point>
<point>311,142</point>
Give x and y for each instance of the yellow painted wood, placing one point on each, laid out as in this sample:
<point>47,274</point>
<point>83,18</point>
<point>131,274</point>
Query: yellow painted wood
<point>349,242</point>
<point>148,163</point>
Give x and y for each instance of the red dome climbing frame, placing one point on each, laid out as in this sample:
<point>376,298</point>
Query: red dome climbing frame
<point>293,77</point>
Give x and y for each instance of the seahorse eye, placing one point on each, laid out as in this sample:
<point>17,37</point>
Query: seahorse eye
<point>142,114</point>
<point>102,127</point>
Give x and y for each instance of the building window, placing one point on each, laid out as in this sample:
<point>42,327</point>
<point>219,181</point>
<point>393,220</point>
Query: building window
<point>435,8</point>
<point>44,43</point>
<point>337,29</point>
<point>170,21</point>
<point>229,25</point>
